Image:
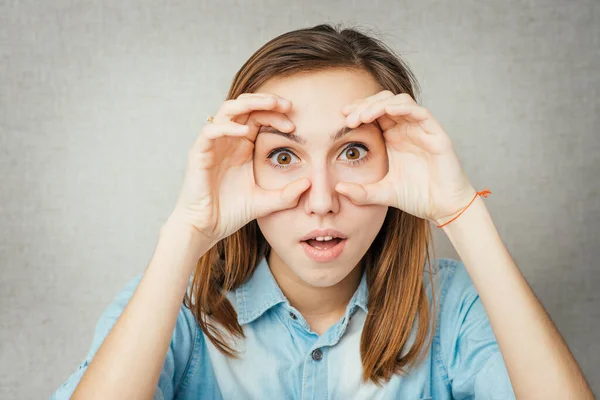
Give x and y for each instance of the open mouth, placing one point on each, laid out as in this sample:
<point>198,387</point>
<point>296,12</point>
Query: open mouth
<point>324,248</point>
<point>325,243</point>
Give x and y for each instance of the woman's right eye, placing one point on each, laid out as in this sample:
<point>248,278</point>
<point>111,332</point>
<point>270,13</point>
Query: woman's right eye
<point>281,158</point>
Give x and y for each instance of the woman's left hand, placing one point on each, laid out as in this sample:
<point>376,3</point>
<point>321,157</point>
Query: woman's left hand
<point>425,176</point>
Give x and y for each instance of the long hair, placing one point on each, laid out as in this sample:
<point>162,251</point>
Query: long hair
<point>396,259</point>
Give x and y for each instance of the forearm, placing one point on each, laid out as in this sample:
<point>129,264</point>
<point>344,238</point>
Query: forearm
<point>537,358</point>
<point>129,362</point>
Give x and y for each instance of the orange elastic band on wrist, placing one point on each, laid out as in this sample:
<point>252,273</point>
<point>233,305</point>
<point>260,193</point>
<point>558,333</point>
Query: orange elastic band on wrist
<point>483,193</point>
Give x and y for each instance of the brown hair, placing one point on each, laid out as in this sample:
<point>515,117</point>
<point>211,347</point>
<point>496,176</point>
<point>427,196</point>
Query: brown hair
<point>394,262</point>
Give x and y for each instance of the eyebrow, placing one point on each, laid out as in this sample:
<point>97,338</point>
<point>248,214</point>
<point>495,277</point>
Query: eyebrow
<point>299,139</point>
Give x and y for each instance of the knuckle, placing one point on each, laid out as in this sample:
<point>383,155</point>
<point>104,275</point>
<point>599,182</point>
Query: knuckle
<point>208,128</point>
<point>255,118</point>
<point>250,95</point>
<point>229,103</point>
<point>266,95</point>
<point>211,131</point>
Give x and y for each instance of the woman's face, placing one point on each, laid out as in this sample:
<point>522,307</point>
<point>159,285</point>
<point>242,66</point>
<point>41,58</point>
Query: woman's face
<point>357,156</point>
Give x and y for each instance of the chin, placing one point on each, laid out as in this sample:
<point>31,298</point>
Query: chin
<point>320,276</point>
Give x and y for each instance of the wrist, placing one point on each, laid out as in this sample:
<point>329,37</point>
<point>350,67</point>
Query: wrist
<point>466,219</point>
<point>445,219</point>
<point>177,220</point>
<point>471,197</point>
<point>176,227</point>
<point>177,251</point>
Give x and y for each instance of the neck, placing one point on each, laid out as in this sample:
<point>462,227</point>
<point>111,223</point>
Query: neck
<point>315,303</point>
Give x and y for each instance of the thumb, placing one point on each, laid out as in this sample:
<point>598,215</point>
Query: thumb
<point>269,201</point>
<point>363,194</point>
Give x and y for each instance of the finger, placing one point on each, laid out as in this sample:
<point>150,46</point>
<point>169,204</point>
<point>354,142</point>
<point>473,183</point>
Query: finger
<point>375,110</point>
<point>226,128</point>
<point>244,105</point>
<point>356,117</point>
<point>269,201</point>
<point>398,111</point>
<point>276,120</point>
<point>263,94</point>
<point>356,104</point>
<point>431,137</point>
<point>252,94</point>
<point>210,132</point>
<point>362,103</point>
<point>416,113</point>
<point>373,193</point>
<point>279,99</point>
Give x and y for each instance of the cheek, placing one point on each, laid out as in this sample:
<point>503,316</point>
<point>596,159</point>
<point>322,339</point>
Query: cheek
<point>268,177</point>
<point>369,221</point>
<point>367,218</point>
<point>371,171</point>
<point>275,226</point>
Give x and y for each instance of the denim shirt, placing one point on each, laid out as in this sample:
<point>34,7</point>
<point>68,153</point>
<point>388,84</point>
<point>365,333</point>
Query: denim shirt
<point>282,358</point>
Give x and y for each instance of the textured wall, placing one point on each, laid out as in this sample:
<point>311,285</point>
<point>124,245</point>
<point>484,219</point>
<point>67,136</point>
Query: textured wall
<point>100,102</point>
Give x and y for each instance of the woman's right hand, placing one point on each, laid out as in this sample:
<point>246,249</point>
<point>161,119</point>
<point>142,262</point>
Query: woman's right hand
<point>219,194</point>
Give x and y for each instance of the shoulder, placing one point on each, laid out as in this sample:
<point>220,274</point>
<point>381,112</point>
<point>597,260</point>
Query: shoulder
<point>451,282</point>
<point>454,279</point>
<point>187,357</point>
<point>456,292</point>
<point>186,325</point>
<point>467,349</point>
<point>453,291</point>
<point>185,341</point>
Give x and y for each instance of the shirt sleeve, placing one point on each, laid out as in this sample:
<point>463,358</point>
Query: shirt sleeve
<point>176,360</point>
<point>474,365</point>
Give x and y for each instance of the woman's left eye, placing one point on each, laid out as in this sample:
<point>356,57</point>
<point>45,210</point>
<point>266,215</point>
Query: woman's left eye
<point>355,153</point>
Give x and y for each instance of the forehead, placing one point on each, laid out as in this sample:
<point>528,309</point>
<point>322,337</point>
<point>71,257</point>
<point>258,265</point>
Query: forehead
<point>321,95</point>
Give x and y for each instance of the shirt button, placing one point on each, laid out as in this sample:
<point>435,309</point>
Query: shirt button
<point>293,315</point>
<point>317,355</point>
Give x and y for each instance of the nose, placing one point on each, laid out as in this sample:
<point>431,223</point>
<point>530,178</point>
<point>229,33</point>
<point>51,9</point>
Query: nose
<point>321,198</point>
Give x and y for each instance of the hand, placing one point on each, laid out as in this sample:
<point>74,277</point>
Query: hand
<point>425,176</point>
<point>219,194</point>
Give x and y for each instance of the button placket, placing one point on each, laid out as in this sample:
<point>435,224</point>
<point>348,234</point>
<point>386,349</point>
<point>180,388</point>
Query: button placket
<point>317,354</point>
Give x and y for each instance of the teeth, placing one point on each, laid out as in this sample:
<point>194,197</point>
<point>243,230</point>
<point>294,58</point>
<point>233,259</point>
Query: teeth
<point>324,238</point>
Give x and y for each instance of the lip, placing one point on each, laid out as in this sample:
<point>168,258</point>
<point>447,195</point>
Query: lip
<point>324,232</point>
<point>324,256</point>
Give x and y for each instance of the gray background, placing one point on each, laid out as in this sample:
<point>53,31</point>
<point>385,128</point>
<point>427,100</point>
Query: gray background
<point>100,102</point>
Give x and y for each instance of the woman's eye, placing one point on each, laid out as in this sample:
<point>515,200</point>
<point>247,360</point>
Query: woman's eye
<point>354,153</point>
<point>281,158</point>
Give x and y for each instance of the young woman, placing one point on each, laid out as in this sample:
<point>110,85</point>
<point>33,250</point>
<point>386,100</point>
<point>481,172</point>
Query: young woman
<point>296,263</point>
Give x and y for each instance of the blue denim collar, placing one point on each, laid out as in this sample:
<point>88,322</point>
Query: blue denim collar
<point>261,292</point>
